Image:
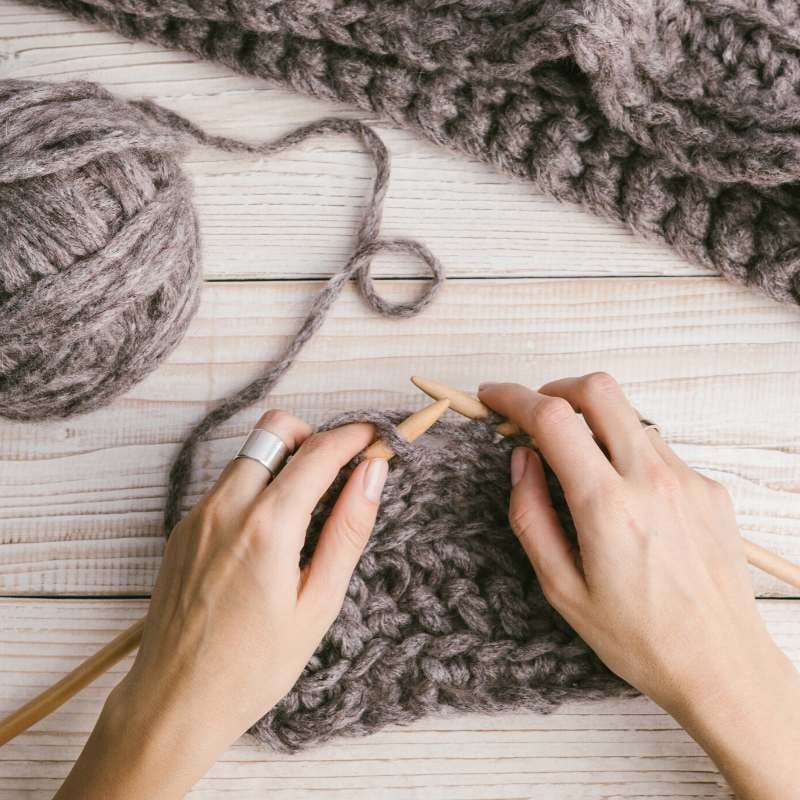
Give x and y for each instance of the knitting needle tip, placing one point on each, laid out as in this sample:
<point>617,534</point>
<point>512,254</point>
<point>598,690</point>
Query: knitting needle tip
<point>410,428</point>
<point>463,403</point>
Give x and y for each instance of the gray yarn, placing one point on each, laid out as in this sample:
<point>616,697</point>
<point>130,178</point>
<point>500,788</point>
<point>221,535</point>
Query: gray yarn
<point>443,612</point>
<point>99,266</point>
<point>677,117</point>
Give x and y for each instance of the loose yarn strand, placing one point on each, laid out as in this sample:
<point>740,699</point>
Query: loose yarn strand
<point>368,245</point>
<point>443,611</point>
<point>100,256</point>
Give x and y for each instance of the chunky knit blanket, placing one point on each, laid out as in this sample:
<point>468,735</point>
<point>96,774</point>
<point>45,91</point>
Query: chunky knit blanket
<point>678,117</point>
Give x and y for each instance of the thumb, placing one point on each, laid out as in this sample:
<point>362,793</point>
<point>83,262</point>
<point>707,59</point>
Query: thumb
<point>535,522</point>
<point>343,539</point>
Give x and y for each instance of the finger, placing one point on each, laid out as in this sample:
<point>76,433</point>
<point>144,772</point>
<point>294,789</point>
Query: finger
<point>243,478</point>
<point>535,522</point>
<point>299,486</point>
<point>342,540</point>
<point>563,439</point>
<point>667,454</point>
<point>610,415</point>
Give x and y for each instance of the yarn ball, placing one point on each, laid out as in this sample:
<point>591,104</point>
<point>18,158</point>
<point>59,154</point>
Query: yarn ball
<point>444,612</point>
<point>99,261</point>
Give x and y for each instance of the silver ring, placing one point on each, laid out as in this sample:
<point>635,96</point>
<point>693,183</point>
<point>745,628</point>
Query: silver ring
<point>648,425</point>
<point>265,447</point>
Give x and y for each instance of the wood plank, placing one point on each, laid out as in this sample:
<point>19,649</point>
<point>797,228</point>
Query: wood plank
<point>80,500</point>
<point>610,749</point>
<point>294,215</point>
<point>717,367</point>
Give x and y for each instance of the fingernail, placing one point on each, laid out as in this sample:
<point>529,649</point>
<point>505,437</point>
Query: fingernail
<point>374,478</point>
<point>485,386</point>
<point>519,462</point>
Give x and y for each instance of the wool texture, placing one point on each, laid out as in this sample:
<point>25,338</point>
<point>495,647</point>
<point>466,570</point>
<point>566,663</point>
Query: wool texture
<point>677,117</point>
<point>443,612</point>
<point>99,267</point>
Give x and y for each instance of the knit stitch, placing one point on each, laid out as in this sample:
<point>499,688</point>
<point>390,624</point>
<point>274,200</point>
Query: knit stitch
<point>677,117</point>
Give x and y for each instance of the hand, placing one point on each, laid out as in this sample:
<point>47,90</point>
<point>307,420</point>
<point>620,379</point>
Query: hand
<point>659,586</point>
<point>233,620</point>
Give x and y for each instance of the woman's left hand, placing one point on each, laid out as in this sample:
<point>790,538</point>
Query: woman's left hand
<point>233,619</point>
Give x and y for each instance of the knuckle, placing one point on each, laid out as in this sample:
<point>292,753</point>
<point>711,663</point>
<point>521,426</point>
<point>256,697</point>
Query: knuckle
<point>662,479</point>
<point>606,497</point>
<point>718,492</point>
<point>274,415</point>
<point>520,518</point>
<point>551,411</point>
<point>599,384</point>
<point>553,590</point>
<point>258,518</point>
<point>267,508</point>
<point>211,509</point>
<point>354,531</point>
<point>257,525</point>
<point>277,496</point>
<point>319,443</point>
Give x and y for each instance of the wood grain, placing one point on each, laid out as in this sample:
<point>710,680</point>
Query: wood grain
<point>81,500</point>
<point>294,215</point>
<point>610,749</point>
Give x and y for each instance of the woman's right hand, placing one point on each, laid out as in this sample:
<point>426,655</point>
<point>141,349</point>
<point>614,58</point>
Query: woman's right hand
<point>659,586</point>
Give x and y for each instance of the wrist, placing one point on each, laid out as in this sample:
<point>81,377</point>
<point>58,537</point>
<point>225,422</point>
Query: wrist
<point>136,750</point>
<point>733,685</point>
<point>747,718</point>
<point>160,727</point>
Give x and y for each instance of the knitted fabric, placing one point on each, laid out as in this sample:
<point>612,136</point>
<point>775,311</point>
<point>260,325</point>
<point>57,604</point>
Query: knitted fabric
<point>99,275</point>
<point>443,612</point>
<point>678,117</point>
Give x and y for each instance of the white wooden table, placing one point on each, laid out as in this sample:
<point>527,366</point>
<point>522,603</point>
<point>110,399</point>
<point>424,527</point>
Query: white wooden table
<point>536,291</point>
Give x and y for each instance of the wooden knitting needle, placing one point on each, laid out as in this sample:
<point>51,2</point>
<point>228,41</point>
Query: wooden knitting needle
<point>127,641</point>
<point>58,694</point>
<point>471,407</point>
<point>772,563</point>
<point>410,428</point>
<point>462,402</point>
